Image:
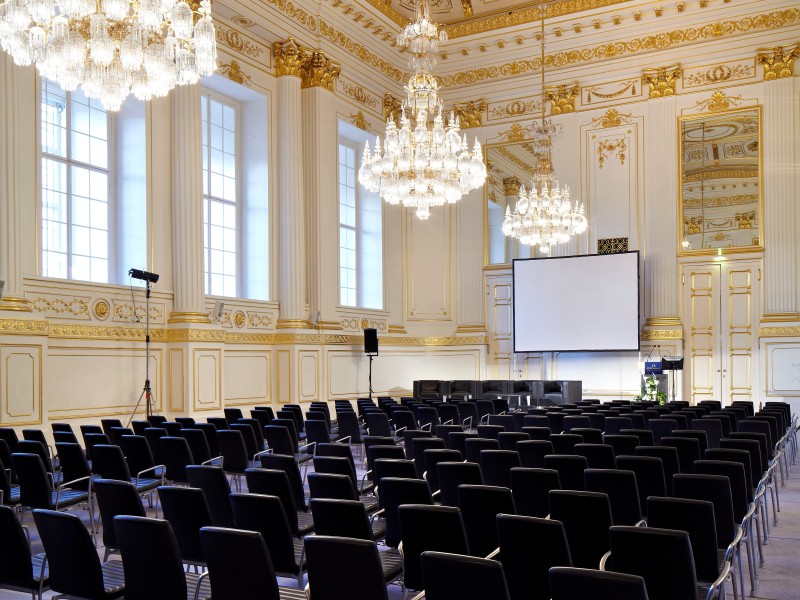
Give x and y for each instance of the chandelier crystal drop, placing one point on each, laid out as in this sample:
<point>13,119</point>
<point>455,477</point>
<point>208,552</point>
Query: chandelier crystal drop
<point>112,48</point>
<point>423,161</point>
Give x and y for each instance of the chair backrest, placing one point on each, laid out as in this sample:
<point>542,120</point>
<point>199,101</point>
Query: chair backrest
<point>109,462</point>
<point>61,427</point>
<point>623,494</point>
<point>622,444</point>
<point>504,421</point>
<point>688,451</point>
<point>274,482</point>
<point>344,568</point>
<point>645,435</point>
<point>712,428</point>
<point>233,451</point>
<point>64,437</point>
<point>734,471</point>
<point>157,420</point>
<point>151,559</point>
<point>217,490</point>
<point>573,421</point>
<point>317,432</point>
<point>375,452</point>
<point>397,467</point>
<point>531,490</point>
<point>474,446</point>
<point>669,460</point>
<point>249,437</point>
<point>598,456</point>
<point>577,584</point>
<point>672,576</point>
<point>496,466</point>
<point>564,443</point>
<point>35,489</point>
<point>432,458</point>
<point>490,432</point>
<point>425,527</point>
<point>397,491</point>
<point>717,490</point>
<point>525,564</point>
<point>138,454</point>
<point>34,447</point>
<point>71,555</point>
<point>698,434</point>
<point>173,428</point>
<point>532,452</point>
<point>586,517</point>
<point>15,556</point>
<point>378,424</point>
<point>139,426</point>
<point>232,414</point>
<point>342,518</point>
<point>480,505</point>
<point>570,469</point>
<point>198,444</point>
<point>509,439</point>
<point>457,440</point>
<point>330,485</point>
<point>265,514</point>
<point>115,434</point>
<point>615,424</point>
<point>349,426</point>
<point>238,562</point>
<point>177,455</point>
<point>74,464</point>
<point>650,479</point>
<point>287,464</point>
<point>114,498</point>
<point>187,511</point>
<point>696,517</point>
<point>218,422</point>
<point>449,576</point>
<point>747,452</point>
<point>107,424</point>
<point>154,435</point>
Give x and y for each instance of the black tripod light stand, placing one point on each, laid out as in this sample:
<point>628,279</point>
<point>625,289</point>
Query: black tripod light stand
<point>147,392</point>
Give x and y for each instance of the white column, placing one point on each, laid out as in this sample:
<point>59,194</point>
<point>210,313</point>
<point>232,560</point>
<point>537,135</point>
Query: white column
<point>320,140</point>
<point>470,212</point>
<point>661,207</point>
<point>187,207</point>
<point>780,198</point>
<point>291,198</point>
<point>11,192</point>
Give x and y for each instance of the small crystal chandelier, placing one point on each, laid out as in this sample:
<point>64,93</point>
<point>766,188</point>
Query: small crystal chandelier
<point>544,215</point>
<point>112,47</point>
<point>429,164</point>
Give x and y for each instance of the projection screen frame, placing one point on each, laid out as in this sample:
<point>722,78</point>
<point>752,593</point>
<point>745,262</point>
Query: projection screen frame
<point>638,304</point>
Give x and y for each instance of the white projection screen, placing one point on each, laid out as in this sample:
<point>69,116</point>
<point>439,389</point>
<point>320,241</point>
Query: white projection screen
<point>577,303</point>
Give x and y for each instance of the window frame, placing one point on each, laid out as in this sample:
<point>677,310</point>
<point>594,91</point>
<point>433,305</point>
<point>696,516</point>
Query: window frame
<point>356,229</point>
<point>225,100</point>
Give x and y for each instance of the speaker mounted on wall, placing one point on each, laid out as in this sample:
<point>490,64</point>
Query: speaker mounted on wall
<point>371,341</point>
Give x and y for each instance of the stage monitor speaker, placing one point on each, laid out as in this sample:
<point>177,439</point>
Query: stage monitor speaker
<point>370,341</point>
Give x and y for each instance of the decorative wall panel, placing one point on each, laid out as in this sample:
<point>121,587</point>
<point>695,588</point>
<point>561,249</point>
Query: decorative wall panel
<point>309,375</point>
<point>782,369</point>
<point>247,377</point>
<point>177,380</point>
<point>429,266</point>
<point>207,379</point>
<point>21,384</point>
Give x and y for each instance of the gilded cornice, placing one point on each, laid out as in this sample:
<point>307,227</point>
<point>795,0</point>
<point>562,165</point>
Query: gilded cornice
<point>288,58</point>
<point>361,51</point>
<point>649,43</point>
<point>777,332</point>
<point>319,71</point>
<point>104,333</point>
<point>661,334</point>
<point>23,326</point>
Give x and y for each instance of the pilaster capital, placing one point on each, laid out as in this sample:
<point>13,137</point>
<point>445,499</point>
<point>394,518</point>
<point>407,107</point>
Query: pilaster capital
<point>392,106</point>
<point>470,113</point>
<point>289,57</point>
<point>562,98</point>
<point>662,80</point>
<point>511,186</point>
<point>779,61</point>
<point>319,71</point>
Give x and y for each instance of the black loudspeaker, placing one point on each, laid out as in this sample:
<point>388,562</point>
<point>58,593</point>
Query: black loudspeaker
<point>371,341</point>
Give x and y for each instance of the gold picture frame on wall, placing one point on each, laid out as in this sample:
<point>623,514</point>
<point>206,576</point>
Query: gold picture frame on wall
<point>720,207</point>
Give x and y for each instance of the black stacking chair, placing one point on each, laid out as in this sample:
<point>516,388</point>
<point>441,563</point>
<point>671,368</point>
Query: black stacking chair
<point>37,490</point>
<point>19,571</point>
<point>107,424</point>
<point>556,421</point>
<point>139,426</point>
<point>198,444</point>
<point>378,424</point>
<point>537,433</point>
<point>216,489</point>
<point>234,454</point>
<point>444,431</point>
<point>115,498</point>
<point>615,424</point>
<point>661,428</point>
<point>177,455</point>
<point>672,576</point>
<point>570,469</point>
<point>590,435</point>
<point>110,463</point>
<point>157,420</point>
<point>457,441</point>
<point>688,451</point>
<point>432,458</point>
<point>504,421</point>
<point>622,444</point>
<point>496,466</point>
<point>325,485</point>
<point>649,473</point>
<point>397,492</point>
<point>74,464</point>
<point>712,429</point>
<point>152,562</point>
<point>669,460</point>
<point>273,482</point>
<point>287,464</point>
<point>344,518</point>
<point>480,505</point>
<point>564,443</point>
<point>490,432</point>
<point>376,452</point>
<point>573,421</point>
<point>140,459</point>
<point>508,439</point>
<point>397,467</point>
<point>318,432</point>
<point>697,434</point>
<point>74,567</point>
<point>153,436</point>
<point>265,514</point>
<point>187,511</point>
<point>537,421</point>
<point>532,452</point>
<point>598,456</point>
<point>115,434</point>
<point>62,427</point>
<point>254,448</point>
<point>645,436</point>
<point>475,446</point>
<point>526,565</point>
<point>577,584</point>
<point>530,489</point>
<point>623,494</point>
<point>453,474</point>
<point>9,493</point>
<point>64,437</point>
<point>586,517</point>
<point>41,450</point>
<point>424,528</point>
<point>449,576</point>
<point>238,562</point>
<point>37,435</point>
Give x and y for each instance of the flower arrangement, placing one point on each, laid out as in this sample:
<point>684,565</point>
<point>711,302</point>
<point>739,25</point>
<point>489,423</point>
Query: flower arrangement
<point>650,391</point>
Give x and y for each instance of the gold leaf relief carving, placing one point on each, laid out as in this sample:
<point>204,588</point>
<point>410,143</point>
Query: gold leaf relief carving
<point>259,320</point>
<point>61,306</point>
<point>514,108</point>
<point>779,63</point>
<point>359,94</point>
<point>517,133</point>
<point>236,41</point>
<point>606,148</point>
<point>359,120</point>
<point>233,71</point>
<point>360,51</point>
<point>594,91</point>
<point>470,114</point>
<point>612,118</point>
<point>101,309</point>
<point>662,81</point>
<point>124,311</point>
<point>720,73</point>
<point>718,101</point>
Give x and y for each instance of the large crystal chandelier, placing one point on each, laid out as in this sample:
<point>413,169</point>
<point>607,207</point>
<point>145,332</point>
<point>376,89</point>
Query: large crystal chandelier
<point>544,215</point>
<point>112,47</point>
<point>428,163</point>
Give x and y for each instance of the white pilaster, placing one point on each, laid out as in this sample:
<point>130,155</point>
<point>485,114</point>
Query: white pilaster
<point>393,253</point>
<point>661,209</point>
<point>470,212</point>
<point>780,198</point>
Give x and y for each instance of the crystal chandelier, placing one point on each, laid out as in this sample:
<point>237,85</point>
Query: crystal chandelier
<point>428,163</point>
<point>112,47</point>
<point>544,215</point>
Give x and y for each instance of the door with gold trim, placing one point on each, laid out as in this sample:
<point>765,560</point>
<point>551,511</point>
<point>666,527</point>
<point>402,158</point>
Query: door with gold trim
<point>720,308</point>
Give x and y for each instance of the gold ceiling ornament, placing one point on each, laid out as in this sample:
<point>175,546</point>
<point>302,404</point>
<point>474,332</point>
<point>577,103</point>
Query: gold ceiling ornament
<point>289,58</point>
<point>718,102</point>
<point>391,107</point>
<point>662,81</point>
<point>359,120</point>
<point>511,186</point>
<point>319,71</point>
<point>562,98</point>
<point>470,113</point>
<point>233,71</point>
<point>778,62</point>
<point>361,51</point>
<point>612,118</point>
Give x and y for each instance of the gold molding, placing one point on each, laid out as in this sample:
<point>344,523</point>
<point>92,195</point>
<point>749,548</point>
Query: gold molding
<point>101,309</point>
<point>516,133</point>
<point>777,332</point>
<point>662,81</point>
<point>612,118</point>
<point>392,106</point>
<point>471,329</point>
<point>317,70</point>
<point>511,186</point>
<point>233,71</point>
<point>359,120</point>
<point>562,98</point>
<point>16,304</point>
<point>293,324</point>
<point>359,94</point>
<point>777,63</point>
<point>662,322</point>
<point>236,41</point>
<point>661,334</point>
<point>715,74</point>
<point>194,335</point>
<point>780,317</point>
<point>718,102</point>
<point>397,329</point>
<point>470,113</point>
<point>288,58</point>
<point>24,327</point>
<point>188,316</point>
<point>361,51</point>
